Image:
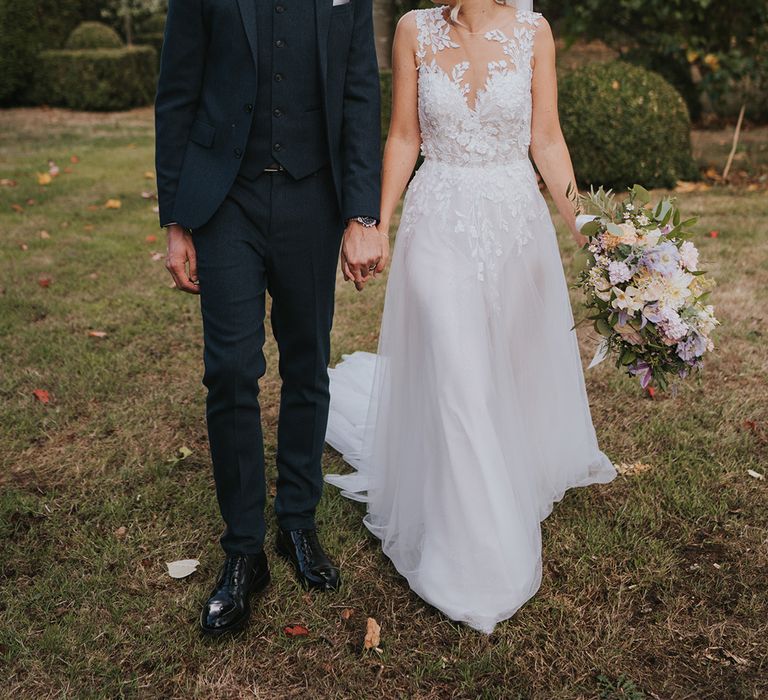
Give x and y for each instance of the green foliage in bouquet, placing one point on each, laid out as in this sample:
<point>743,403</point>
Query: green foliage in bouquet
<point>93,35</point>
<point>646,295</point>
<point>98,79</point>
<point>625,125</point>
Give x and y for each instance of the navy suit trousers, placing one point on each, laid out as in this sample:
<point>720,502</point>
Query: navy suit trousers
<point>279,236</point>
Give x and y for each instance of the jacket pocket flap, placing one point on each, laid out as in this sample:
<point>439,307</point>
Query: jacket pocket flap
<point>202,133</point>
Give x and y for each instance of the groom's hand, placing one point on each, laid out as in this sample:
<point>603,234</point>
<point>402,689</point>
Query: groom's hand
<point>363,253</point>
<point>181,252</point>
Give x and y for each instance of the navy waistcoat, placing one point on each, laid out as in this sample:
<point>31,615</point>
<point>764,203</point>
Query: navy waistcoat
<point>288,123</point>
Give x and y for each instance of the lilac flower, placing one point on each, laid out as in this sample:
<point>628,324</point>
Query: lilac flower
<point>664,258</point>
<point>643,370</point>
<point>692,348</point>
<point>619,271</point>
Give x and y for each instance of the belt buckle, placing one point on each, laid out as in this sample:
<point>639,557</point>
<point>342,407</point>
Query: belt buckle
<point>274,169</point>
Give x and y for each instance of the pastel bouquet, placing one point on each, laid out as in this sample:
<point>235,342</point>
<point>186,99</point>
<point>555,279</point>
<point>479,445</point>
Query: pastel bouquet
<point>648,298</point>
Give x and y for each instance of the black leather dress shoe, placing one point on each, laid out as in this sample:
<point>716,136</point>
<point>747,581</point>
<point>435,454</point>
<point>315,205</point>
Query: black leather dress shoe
<point>228,608</point>
<point>313,568</point>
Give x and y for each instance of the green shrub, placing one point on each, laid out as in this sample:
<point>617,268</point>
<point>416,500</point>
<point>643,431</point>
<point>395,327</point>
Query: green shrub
<point>385,77</point>
<point>625,125</point>
<point>93,35</point>
<point>154,24</point>
<point>153,40</point>
<point>98,79</point>
<point>28,27</point>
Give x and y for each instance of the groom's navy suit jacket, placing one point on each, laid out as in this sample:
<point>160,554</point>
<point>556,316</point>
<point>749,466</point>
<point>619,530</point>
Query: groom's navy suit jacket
<point>204,108</point>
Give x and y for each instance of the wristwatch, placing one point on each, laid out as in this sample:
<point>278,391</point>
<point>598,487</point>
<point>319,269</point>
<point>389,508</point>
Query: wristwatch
<point>367,221</point>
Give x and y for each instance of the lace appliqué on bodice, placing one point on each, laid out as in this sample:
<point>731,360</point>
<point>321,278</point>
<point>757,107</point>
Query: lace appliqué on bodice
<point>476,138</point>
<point>496,126</point>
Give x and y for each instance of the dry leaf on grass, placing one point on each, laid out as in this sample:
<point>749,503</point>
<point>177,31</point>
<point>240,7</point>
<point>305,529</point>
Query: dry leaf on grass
<point>5,182</point>
<point>182,568</point>
<point>296,631</point>
<point>156,256</point>
<point>113,204</point>
<point>756,475</point>
<point>372,635</point>
<point>44,235</point>
<point>44,179</point>
<point>683,186</point>
<point>636,468</point>
<point>121,532</point>
<point>151,238</point>
<point>42,395</point>
<point>346,613</point>
<point>44,282</point>
<point>97,334</point>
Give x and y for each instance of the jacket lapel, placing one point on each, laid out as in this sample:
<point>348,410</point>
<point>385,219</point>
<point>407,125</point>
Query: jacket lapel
<point>248,15</point>
<point>323,25</point>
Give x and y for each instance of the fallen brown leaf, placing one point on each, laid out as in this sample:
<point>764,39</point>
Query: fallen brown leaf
<point>121,532</point>
<point>346,613</point>
<point>113,204</point>
<point>372,634</point>
<point>97,334</point>
<point>44,235</point>
<point>635,468</point>
<point>42,395</point>
<point>44,282</point>
<point>44,179</point>
<point>296,631</point>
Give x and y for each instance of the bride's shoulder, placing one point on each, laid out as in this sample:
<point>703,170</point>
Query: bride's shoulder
<point>535,19</point>
<point>419,20</point>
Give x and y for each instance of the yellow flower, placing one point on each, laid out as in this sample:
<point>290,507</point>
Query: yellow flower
<point>712,61</point>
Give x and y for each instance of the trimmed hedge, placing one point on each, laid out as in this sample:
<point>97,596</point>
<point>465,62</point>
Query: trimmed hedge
<point>93,35</point>
<point>153,40</point>
<point>97,79</point>
<point>26,28</point>
<point>625,125</point>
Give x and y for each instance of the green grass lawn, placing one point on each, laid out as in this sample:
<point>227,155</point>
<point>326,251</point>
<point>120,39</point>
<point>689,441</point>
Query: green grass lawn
<point>654,585</point>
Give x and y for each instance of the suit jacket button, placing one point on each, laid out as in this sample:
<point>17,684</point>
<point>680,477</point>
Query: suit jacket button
<point>278,77</point>
<point>279,9</point>
<point>277,112</point>
<point>248,108</point>
<point>238,153</point>
<point>278,147</point>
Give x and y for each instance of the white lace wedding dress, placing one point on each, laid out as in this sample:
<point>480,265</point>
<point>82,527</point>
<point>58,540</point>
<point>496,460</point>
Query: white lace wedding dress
<point>472,419</point>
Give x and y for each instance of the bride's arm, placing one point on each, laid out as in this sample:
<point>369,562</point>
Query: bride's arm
<point>404,137</point>
<point>548,147</point>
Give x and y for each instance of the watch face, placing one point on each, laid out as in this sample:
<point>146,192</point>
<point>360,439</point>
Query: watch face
<point>366,221</point>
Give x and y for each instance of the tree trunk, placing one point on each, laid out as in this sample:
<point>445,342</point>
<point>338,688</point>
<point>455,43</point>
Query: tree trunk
<point>127,22</point>
<point>384,28</point>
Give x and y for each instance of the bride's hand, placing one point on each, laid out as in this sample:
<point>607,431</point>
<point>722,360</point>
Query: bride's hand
<point>579,239</point>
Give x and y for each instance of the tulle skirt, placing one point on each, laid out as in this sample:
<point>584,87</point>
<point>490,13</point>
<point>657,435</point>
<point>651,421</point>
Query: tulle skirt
<point>472,418</point>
